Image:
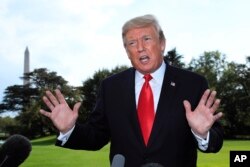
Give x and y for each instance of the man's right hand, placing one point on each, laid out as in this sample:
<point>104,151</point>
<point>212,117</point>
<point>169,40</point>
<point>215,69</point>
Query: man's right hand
<point>62,116</point>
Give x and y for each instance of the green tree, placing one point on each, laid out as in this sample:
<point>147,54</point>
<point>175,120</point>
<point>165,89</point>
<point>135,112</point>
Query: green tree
<point>231,81</point>
<point>174,58</point>
<point>6,126</point>
<point>16,98</point>
<point>234,87</point>
<point>210,65</point>
<point>27,100</point>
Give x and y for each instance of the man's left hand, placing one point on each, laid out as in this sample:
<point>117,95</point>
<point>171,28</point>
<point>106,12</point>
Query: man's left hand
<point>203,117</point>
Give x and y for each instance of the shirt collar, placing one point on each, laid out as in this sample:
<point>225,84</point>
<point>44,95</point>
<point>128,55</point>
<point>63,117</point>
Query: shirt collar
<point>158,75</point>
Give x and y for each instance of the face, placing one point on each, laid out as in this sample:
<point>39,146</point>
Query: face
<point>144,49</point>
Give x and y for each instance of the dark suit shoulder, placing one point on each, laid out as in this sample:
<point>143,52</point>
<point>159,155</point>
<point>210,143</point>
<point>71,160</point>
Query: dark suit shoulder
<point>184,73</point>
<point>187,80</point>
<point>121,76</point>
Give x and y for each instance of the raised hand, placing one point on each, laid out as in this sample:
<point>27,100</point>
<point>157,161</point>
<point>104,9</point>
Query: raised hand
<point>203,117</point>
<point>61,115</point>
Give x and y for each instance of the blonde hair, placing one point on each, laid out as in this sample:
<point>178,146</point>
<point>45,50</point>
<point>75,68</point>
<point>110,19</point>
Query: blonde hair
<point>142,21</point>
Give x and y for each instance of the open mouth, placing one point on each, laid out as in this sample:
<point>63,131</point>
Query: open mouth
<point>144,59</point>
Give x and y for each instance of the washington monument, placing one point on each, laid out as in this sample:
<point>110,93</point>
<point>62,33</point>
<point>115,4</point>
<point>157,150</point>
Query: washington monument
<point>26,65</point>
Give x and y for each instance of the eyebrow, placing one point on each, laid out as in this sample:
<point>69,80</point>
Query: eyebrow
<point>133,39</point>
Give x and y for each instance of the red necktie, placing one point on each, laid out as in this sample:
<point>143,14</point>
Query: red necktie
<point>146,109</point>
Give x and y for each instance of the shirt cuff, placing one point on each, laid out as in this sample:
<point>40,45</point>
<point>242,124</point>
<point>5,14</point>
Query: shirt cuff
<point>202,143</point>
<point>64,137</point>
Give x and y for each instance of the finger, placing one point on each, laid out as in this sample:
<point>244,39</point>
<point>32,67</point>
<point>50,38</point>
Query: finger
<point>76,107</point>
<point>215,106</point>
<point>52,98</point>
<point>187,106</point>
<point>48,103</point>
<point>211,99</point>
<point>218,116</point>
<point>204,97</point>
<point>60,97</point>
<point>45,113</point>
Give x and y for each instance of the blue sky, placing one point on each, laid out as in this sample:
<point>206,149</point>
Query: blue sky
<point>75,38</point>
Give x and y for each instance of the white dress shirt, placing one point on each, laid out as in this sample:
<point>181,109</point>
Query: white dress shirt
<point>156,84</point>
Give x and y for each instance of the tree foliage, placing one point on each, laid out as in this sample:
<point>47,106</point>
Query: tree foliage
<point>174,58</point>
<point>234,87</point>
<point>210,65</point>
<point>231,81</point>
<point>6,126</point>
<point>27,100</point>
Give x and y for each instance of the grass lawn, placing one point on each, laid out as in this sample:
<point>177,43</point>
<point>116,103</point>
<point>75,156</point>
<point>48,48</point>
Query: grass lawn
<point>45,154</point>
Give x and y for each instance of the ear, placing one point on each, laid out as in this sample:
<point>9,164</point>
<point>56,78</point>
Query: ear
<point>163,45</point>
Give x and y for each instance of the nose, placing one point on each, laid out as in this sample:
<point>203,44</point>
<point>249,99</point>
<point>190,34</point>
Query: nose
<point>140,46</point>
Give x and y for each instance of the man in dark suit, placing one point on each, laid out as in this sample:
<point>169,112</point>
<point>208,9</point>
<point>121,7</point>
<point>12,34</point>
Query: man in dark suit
<point>179,114</point>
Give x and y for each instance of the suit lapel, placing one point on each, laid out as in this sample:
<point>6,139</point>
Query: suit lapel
<point>167,96</point>
<point>132,106</point>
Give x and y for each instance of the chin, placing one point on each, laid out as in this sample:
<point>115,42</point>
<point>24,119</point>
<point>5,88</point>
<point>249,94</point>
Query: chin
<point>146,71</point>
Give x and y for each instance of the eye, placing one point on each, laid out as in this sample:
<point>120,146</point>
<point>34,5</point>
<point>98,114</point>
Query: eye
<point>131,43</point>
<point>147,38</point>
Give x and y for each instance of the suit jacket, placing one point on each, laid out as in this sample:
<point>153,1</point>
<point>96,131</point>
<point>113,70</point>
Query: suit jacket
<point>114,119</point>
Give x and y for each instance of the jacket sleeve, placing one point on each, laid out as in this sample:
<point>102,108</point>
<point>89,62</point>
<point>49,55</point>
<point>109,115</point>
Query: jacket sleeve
<point>216,138</point>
